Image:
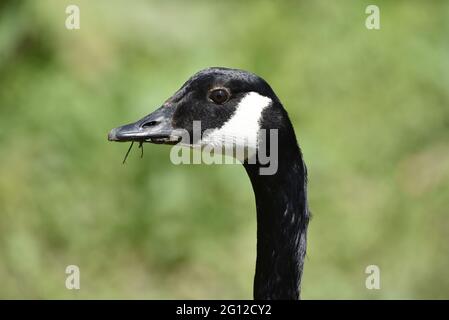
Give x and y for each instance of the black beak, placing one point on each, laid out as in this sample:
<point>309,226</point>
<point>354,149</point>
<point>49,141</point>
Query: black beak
<point>155,127</point>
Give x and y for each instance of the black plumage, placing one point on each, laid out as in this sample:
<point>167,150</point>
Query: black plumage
<point>281,198</point>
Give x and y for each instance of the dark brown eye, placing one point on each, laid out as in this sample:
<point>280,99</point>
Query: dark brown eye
<point>219,96</point>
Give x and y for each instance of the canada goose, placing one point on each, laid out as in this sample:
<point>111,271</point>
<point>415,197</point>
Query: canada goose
<point>234,103</point>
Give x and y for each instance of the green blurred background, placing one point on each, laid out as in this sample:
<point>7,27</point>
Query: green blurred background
<point>370,108</point>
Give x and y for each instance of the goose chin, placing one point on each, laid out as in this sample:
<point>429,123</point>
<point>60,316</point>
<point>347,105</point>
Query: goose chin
<point>141,138</point>
<point>171,140</point>
<point>121,135</point>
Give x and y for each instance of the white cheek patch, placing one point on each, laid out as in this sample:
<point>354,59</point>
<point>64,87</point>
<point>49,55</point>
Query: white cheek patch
<point>242,129</point>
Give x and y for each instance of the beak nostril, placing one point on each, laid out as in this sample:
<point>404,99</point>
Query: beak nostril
<point>150,124</point>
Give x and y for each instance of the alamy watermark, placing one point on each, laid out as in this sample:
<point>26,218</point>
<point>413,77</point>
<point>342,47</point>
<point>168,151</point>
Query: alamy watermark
<point>373,280</point>
<point>223,148</point>
<point>72,22</point>
<point>72,281</point>
<point>372,22</point>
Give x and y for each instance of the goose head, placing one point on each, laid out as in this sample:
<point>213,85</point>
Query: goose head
<point>230,106</point>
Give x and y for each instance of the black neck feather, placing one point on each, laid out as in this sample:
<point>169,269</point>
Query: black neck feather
<point>282,219</point>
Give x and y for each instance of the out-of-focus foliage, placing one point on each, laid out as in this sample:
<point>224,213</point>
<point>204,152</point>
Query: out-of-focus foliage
<point>370,108</point>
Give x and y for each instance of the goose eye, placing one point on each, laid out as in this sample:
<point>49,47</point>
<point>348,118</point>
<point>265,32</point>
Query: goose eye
<point>219,96</point>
